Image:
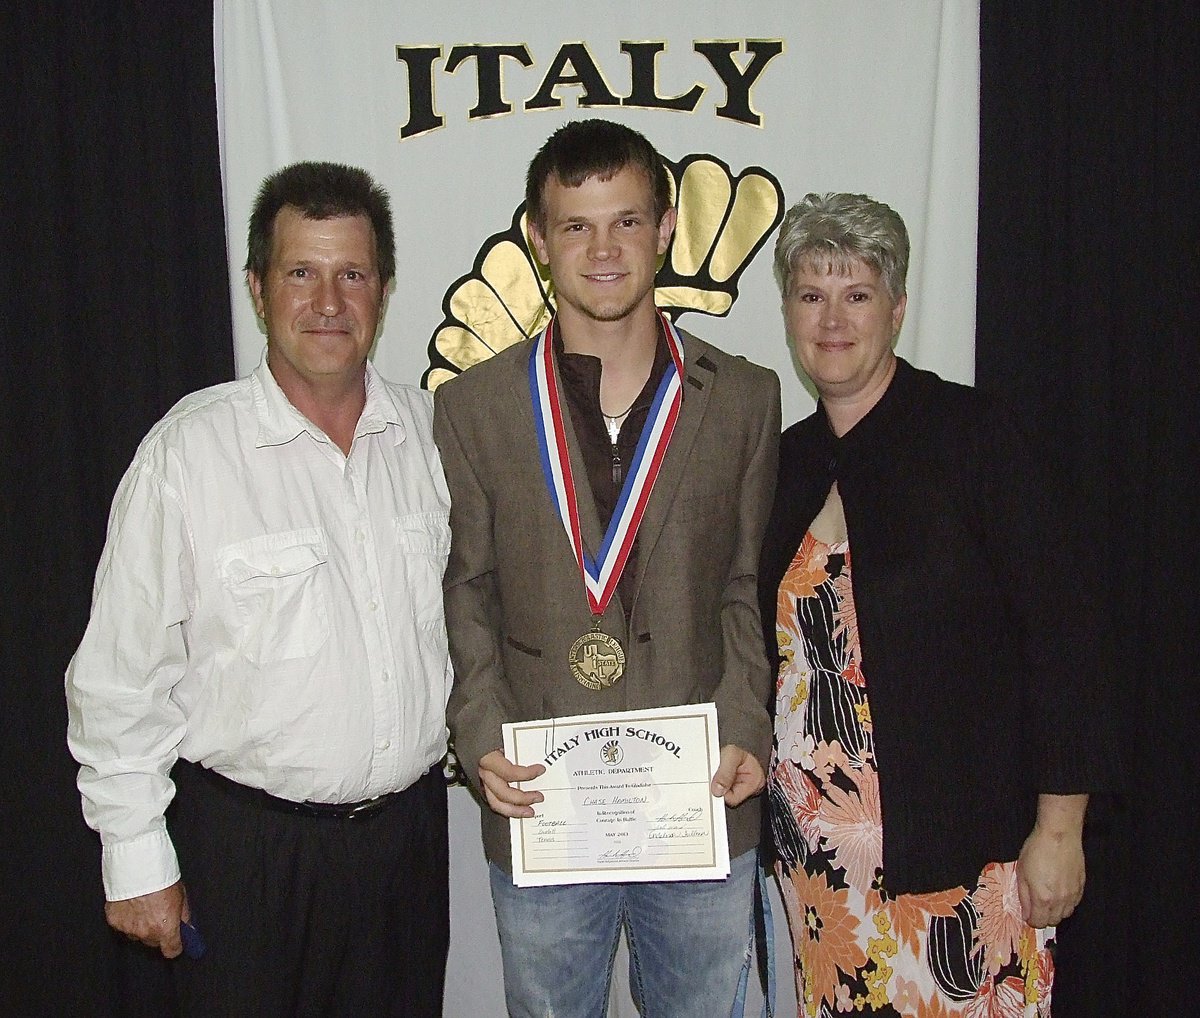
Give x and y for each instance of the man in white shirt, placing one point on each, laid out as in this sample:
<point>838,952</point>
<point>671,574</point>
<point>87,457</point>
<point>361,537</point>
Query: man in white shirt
<point>267,653</point>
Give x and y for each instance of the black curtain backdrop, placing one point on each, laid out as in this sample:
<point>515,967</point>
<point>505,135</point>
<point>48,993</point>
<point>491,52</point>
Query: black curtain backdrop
<point>117,304</point>
<point>1088,240</point>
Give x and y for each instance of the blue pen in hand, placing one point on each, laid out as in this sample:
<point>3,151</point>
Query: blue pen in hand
<point>193,944</point>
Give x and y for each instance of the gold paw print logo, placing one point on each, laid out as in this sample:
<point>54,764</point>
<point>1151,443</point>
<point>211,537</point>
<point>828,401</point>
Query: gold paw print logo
<point>507,296</point>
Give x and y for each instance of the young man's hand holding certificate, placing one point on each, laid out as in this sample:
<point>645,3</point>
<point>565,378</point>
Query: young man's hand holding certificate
<point>627,797</point>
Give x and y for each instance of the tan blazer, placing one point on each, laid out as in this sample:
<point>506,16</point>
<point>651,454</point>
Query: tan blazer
<point>515,600</point>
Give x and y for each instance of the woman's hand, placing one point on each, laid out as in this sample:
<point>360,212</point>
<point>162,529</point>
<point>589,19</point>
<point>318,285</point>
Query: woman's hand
<point>1050,870</point>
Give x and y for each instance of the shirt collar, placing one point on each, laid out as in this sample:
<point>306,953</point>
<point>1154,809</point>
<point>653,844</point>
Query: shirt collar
<point>279,422</point>
<point>580,372</point>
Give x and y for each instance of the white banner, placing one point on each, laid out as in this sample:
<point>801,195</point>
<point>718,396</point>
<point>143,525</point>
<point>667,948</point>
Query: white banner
<point>751,105</point>
<point>446,104</point>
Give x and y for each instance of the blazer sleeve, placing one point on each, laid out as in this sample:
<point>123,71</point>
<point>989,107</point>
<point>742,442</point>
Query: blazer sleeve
<point>744,689</point>
<point>479,700</point>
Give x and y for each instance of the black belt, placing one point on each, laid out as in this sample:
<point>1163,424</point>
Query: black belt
<point>331,810</point>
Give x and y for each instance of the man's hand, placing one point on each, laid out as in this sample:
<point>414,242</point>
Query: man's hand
<point>739,776</point>
<point>1050,870</point>
<point>496,774</point>
<point>152,918</point>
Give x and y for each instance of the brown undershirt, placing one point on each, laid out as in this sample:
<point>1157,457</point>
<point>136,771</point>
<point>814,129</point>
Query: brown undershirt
<point>607,464</point>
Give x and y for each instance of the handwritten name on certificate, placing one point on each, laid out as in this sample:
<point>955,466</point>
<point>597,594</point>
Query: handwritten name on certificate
<point>627,798</point>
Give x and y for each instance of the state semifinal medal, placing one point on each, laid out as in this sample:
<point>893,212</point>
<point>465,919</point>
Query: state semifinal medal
<point>597,659</point>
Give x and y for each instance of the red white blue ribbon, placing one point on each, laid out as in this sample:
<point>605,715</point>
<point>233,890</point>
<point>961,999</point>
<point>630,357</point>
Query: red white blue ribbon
<point>600,574</point>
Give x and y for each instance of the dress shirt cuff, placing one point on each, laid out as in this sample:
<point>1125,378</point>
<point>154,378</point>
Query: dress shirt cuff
<point>138,866</point>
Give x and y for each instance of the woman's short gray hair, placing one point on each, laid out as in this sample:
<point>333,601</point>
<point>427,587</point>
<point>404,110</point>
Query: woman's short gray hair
<point>832,230</point>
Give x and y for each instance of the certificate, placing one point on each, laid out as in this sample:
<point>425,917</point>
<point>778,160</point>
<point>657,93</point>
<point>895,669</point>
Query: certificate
<point>627,798</point>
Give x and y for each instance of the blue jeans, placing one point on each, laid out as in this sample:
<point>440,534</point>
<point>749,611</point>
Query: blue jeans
<point>688,943</point>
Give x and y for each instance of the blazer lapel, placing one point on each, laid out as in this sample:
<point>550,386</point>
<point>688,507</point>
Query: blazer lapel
<point>518,391</point>
<point>589,520</point>
<point>699,372</point>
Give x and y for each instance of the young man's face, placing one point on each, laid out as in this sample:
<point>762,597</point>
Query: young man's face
<point>602,243</point>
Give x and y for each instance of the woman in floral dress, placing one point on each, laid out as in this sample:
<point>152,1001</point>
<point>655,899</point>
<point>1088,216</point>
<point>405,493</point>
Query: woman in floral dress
<point>932,756</point>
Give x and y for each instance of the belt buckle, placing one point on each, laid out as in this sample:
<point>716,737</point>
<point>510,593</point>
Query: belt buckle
<point>366,807</point>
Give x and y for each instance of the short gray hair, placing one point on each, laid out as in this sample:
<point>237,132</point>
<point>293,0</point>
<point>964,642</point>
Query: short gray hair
<point>833,230</point>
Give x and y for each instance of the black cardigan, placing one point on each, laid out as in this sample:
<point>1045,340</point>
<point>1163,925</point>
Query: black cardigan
<point>965,627</point>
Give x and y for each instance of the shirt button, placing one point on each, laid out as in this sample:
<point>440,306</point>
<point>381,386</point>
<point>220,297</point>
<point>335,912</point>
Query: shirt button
<point>274,570</point>
<point>372,605</point>
<point>384,744</point>
<point>359,536</point>
<point>387,676</point>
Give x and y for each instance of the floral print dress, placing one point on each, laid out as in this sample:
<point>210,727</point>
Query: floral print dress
<point>959,952</point>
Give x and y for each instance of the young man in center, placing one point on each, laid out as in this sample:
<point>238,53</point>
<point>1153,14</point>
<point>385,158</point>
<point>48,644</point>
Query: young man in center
<point>683,612</point>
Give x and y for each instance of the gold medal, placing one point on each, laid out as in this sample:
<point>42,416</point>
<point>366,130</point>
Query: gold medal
<point>597,660</point>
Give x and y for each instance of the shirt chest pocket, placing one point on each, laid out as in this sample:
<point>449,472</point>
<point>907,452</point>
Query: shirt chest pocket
<point>277,586</point>
<point>423,541</point>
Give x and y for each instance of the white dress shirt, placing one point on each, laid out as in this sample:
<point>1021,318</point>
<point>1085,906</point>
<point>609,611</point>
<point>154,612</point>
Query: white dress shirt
<point>264,606</point>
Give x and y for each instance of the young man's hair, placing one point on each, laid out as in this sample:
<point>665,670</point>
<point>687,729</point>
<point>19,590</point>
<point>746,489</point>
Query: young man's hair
<point>321,191</point>
<point>593,148</point>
